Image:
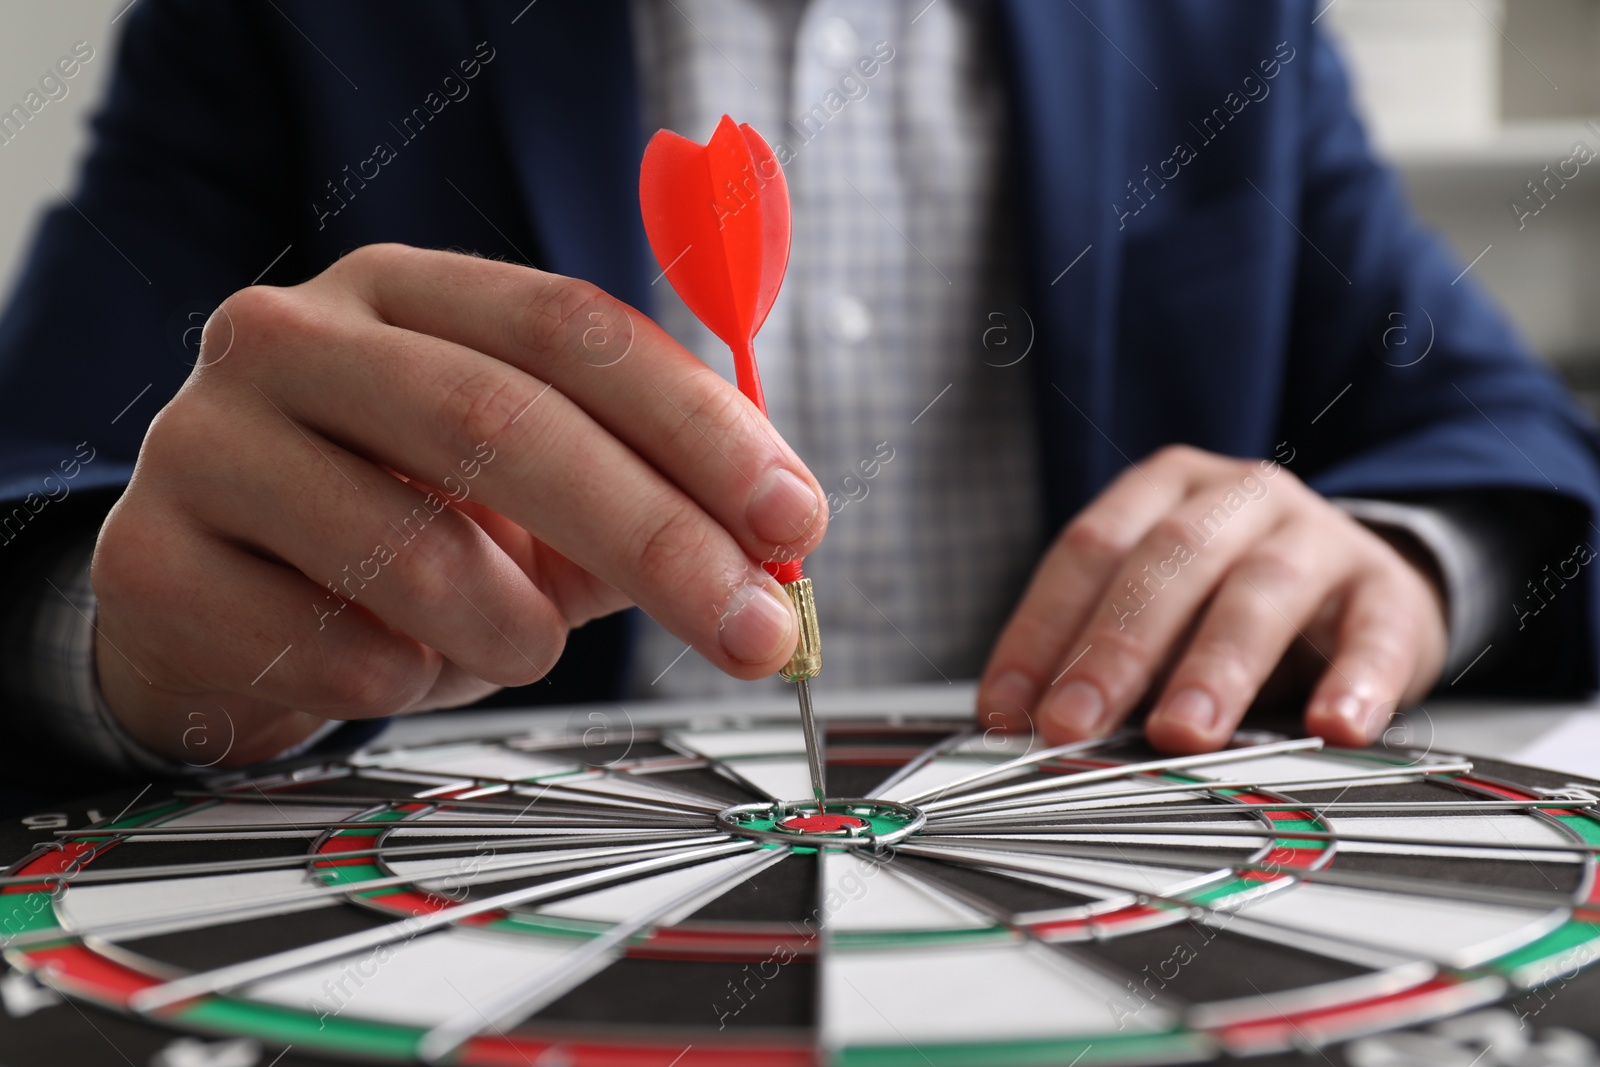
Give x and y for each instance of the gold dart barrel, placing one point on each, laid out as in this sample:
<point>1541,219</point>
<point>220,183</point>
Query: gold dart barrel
<point>804,665</point>
<point>807,659</point>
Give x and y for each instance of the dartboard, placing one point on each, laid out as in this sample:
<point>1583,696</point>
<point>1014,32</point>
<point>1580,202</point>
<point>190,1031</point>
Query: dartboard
<point>665,898</point>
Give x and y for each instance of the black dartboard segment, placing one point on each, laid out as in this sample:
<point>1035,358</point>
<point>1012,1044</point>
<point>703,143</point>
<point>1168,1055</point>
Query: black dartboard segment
<point>665,899</point>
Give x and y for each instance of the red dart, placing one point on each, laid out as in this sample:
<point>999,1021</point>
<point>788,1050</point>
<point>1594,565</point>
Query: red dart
<point>717,216</point>
<point>718,220</point>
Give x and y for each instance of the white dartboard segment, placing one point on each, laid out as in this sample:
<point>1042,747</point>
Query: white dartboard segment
<point>863,896</point>
<point>1016,988</point>
<point>419,982</point>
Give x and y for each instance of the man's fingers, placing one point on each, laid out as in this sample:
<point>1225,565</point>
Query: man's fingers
<point>1066,586</point>
<point>230,622</point>
<point>1258,610</point>
<point>544,463</point>
<point>623,370</point>
<point>370,539</point>
<point>1148,605</point>
<point>1385,655</point>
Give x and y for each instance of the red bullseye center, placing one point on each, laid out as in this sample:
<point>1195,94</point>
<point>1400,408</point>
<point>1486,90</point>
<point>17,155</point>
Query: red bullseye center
<point>823,824</point>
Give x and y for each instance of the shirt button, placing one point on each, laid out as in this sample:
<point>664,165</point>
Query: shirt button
<point>837,43</point>
<point>849,321</point>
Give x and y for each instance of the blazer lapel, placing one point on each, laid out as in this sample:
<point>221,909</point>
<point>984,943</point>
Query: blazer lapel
<point>569,110</point>
<point>1066,122</point>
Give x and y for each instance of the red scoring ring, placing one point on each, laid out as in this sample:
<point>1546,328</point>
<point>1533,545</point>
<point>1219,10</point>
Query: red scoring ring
<point>823,824</point>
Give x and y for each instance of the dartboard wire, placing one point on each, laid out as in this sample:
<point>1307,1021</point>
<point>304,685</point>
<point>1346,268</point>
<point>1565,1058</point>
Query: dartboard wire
<point>1395,775</point>
<point>1319,809</point>
<point>334,799</point>
<point>601,817</point>
<point>245,831</point>
<point>501,1034</point>
<point>676,798</point>
<point>1377,956</point>
<point>1408,885</point>
<point>711,803</point>
<point>1544,816</point>
<point>1212,870</point>
<point>820,938</point>
<point>1123,770</point>
<point>641,776</point>
<point>1222,917</point>
<point>574,794</point>
<point>1001,770</point>
<point>573,797</point>
<point>1071,823</point>
<point>1013,922</point>
<point>516,1001</point>
<point>44,848</point>
<point>101,829</point>
<point>685,762</point>
<point>921,760</point>
<point>700,806</point>
<point>472,799</point>
<point>721,768</point>
<point>1188,830</point>
<point>1221,803</point>
<point>1305,1040</point>
<point>605,773</point>
<point>489,779</point>
<point>235,910</point>
<point>267,863</point>
<point>233,975</point>
<point>1229,804</point>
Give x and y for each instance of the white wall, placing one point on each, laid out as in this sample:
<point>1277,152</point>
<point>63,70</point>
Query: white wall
<point>33,35</point>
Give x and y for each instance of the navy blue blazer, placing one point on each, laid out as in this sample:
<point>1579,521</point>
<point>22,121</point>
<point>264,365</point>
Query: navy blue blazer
<point>1251,281</point>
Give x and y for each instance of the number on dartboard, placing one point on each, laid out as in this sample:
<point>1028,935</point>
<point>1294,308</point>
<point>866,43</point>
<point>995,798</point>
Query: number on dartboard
<point>51,821</point>
<point>22,995</point>
<point>187,1052</point>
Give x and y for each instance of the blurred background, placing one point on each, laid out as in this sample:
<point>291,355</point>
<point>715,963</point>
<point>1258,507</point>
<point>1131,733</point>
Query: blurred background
<point>1480,104</point>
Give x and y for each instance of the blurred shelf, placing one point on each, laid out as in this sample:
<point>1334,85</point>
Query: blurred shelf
<point>1581,372</point>
<point>1519,147</point>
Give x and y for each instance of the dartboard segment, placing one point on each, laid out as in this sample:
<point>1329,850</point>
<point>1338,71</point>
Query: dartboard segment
<point>966,901</point>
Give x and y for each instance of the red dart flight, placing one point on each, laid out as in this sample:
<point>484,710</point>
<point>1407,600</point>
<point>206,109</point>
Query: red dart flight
<point>717,216</point>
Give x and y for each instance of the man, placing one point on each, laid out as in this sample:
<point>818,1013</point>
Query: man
<point>393,479</point>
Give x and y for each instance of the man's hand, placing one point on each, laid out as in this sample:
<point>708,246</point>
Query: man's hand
<point>1192,575</point>
<point>398,485</point>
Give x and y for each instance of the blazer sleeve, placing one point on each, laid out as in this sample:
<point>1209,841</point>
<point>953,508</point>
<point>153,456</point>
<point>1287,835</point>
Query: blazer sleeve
<point>1432,391</point>
<point>180,201</point>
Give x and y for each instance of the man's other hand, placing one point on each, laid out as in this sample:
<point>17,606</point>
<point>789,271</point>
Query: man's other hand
<point>1189,579</point>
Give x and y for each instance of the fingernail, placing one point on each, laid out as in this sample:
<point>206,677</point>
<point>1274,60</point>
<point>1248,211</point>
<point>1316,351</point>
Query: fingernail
<point>1347,709</point>
<point>1193,708</point>
<point>1377,719</point>
<point>1075,709</point>
<point>782,507</point>
<point>757,625</point>
<point>1008,699</point>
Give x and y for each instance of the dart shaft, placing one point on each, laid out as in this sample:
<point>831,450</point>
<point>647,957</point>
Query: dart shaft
<point>804,665</point>
<point>808,721</point>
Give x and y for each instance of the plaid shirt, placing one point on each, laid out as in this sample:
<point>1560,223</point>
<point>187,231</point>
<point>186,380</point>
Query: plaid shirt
<point>894,333</point>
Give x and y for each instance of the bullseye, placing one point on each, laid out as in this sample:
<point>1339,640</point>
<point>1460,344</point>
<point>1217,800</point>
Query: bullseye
<point>843,823</point>
<point>824,824</point>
